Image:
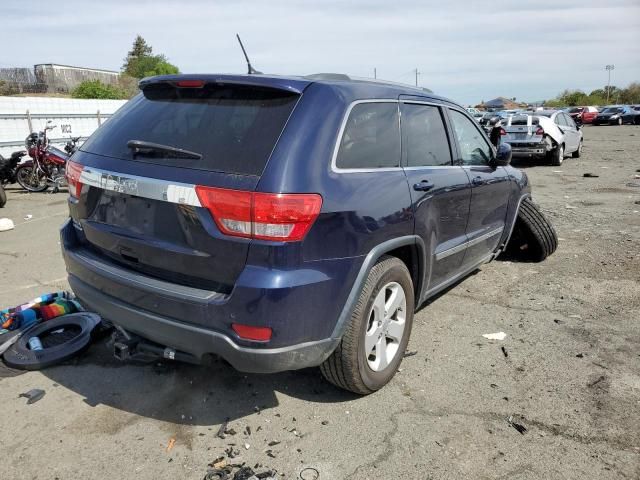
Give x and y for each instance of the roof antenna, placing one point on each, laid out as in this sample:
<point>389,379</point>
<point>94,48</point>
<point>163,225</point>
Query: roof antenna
<point>250,68</point>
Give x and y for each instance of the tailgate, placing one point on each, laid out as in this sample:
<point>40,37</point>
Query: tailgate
<point>140,208</point>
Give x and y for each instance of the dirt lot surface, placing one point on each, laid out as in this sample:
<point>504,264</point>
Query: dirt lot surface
<point>570,374</point>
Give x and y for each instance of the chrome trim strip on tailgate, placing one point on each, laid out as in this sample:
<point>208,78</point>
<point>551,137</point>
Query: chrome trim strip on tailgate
<point>470,243</point>
<point>152,188</point>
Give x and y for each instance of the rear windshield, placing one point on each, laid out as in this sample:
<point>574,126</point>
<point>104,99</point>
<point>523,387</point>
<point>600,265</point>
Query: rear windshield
<point>612,110</point>
<point>522,120</point>
<point>234,128</point>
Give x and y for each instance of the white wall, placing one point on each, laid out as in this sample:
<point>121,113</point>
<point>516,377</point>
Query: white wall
<point>73,117</point>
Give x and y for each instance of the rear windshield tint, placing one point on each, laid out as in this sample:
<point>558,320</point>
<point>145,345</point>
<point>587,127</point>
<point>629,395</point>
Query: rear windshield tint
<point>233,127</point>
<point>523,121</point>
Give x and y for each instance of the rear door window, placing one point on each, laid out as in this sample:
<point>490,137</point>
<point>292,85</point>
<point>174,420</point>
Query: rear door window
<point>424,137</point>
<point>233,127</point>
<point>371,137</point>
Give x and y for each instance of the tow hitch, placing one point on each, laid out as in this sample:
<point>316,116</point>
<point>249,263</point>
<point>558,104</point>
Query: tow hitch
<point>127,346</point>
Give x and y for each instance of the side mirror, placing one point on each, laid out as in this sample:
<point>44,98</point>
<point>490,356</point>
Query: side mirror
<point>503,155</point>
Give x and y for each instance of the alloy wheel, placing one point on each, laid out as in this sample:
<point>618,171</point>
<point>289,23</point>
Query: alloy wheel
<point>386,326</point>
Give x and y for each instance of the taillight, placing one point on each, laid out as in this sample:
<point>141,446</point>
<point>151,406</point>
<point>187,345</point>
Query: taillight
<point>190,83</point>
<point>72,172</point>
<point>249,332</point>
<point>285,217</point>
<point>539,131</point>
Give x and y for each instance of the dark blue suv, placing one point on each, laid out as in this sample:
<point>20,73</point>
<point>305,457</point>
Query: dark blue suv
<point>286,222</point>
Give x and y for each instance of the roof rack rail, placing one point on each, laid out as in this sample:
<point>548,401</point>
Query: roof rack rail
<point>327,76</point>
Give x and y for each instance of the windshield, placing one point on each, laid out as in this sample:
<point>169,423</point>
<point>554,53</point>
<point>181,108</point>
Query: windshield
<point>233,128</point>
<point>613,110</point>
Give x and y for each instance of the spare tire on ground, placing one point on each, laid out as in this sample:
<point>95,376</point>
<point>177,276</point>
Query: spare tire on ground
<point>61,338</point>
<point>533,238</point>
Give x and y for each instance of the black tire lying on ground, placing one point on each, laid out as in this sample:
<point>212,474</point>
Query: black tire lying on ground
<point>534,237</point>
<point>73,337</point>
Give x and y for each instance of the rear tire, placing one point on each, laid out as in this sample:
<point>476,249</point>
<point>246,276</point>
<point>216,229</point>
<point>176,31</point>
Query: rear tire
<point>534,237</point>
<point>3,196</point>
<point>373,346</point>
<point>557,156</point>
<point>578,152</point>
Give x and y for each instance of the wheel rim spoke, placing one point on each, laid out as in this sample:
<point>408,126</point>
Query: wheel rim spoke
<point>370,341</point>
<point>381,353</point>
<point>395,302</point>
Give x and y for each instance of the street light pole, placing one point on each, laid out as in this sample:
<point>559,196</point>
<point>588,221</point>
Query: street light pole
<point>608,68</point>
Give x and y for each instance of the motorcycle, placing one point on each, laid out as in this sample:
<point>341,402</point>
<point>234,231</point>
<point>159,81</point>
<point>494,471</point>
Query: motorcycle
<point>8,167</point>
<point>47,167</point>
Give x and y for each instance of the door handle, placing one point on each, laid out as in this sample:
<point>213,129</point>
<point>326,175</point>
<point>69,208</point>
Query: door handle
<point>423,186</point>
<point>477,181</point>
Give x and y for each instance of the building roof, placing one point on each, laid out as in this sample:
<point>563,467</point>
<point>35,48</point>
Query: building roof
<point>57,65</point>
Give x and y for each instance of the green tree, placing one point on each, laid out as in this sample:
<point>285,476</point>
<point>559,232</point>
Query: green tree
<point>141,62</point>
<point>97,89</point>
<point>139,49</point>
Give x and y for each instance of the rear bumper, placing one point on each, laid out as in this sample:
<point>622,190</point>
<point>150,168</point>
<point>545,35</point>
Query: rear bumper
<point>531,150</point>
<point>199,341</point>
<point>302,310</point>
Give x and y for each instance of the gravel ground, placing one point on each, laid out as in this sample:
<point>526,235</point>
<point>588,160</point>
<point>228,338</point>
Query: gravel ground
<point>570,374</point>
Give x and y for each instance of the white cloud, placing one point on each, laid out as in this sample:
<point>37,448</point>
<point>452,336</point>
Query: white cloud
<point>465,50</point>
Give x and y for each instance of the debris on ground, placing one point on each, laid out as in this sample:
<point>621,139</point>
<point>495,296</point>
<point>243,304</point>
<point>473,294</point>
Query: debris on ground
<point>171,444</point>
<point>309,473</point>
<point>504,352</point>
<point>595,382</point>
<point>495,336</point>
<point>242,472</point>
<point>28,217</point>
<point>590,175</point>
<point>222,431</point>
<point>6,224</point>
<point>410,353</point>
<point>33,395</point>
<point>519,427</point>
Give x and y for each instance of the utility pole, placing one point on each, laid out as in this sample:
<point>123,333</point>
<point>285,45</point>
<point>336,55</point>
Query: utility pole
<point>375,73</point>
<point>608,68</point>
<point>417,73</point>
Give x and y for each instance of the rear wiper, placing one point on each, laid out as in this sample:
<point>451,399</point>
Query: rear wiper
<point>142,147</point>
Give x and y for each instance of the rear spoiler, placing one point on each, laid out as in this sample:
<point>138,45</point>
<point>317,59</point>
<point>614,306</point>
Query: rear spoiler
<point>264,81</point>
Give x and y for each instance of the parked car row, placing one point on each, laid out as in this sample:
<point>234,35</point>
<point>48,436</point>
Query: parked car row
<point>618,115</point>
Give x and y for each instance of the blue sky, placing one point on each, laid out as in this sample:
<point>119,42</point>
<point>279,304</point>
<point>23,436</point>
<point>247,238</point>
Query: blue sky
<point>465,50</point>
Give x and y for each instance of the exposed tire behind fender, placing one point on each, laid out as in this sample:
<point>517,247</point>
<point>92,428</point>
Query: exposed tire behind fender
<point>556,156</point>
<point>534,237</point>
<point>372,325</point>
<point>578,152</point>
